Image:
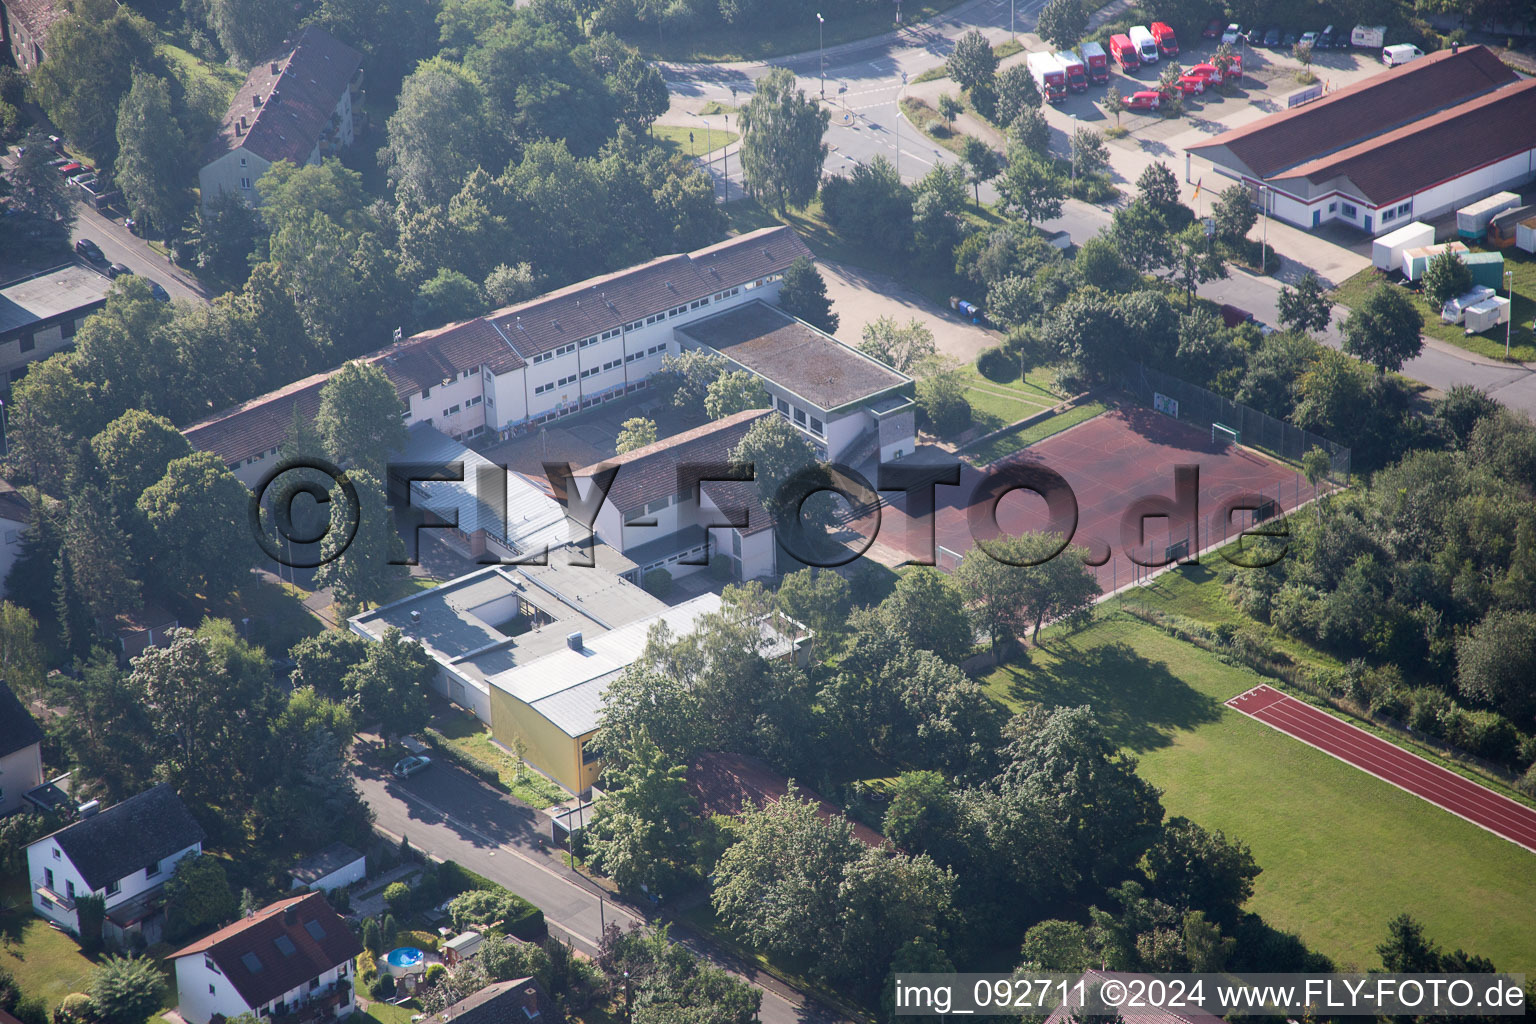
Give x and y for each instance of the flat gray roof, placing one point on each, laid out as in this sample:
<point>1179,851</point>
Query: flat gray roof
<point>794,355</point>
<point>50,294</point>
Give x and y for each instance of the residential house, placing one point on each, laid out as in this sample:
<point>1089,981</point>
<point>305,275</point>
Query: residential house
<point>24,25</point>
<point>15,517</point>
<point>507,372</point>
<point>21,752</point>
<point>123,854</point>
<point>519,1001</point>
<point>40,313</point>
<point>290,961</point>
<point>334,867</point>
<point>297,107</point>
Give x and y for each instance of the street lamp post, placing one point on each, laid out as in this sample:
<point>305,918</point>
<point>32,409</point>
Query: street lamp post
<point>725,158</point>
<point>1264,246</point>
<point>1509,322</point>
<point>821,40</point>
<point>1012,6</point>
<point>1072,141</point>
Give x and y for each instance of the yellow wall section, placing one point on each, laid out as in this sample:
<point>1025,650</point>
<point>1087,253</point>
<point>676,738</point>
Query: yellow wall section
<point>546,746</point>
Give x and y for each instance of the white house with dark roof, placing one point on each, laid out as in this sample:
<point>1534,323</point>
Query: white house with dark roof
<point>21,754</point>
<point>511,370</point>
<point>123,854</point>
<point>40,313</point>
<point>297,107</point>
<point>24,25</point>
<point>291,960</point>
<point>1409,143</point>
<point>517,1001</point>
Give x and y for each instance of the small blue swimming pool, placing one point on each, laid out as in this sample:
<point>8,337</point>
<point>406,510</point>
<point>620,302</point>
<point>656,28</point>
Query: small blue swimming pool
<point>404,956</point>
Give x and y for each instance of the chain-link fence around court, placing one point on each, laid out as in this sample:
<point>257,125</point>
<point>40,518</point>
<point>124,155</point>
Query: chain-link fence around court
<point>1202,408</point>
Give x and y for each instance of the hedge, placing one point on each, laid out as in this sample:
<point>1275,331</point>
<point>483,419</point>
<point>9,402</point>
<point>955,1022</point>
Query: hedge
<point>997,365</point>
<point>526,922</point>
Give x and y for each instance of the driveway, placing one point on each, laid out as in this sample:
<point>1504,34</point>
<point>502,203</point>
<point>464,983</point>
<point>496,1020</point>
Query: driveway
<point>456,816</point>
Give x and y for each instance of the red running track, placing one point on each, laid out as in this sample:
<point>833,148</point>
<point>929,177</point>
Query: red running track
<point>1390,763</point>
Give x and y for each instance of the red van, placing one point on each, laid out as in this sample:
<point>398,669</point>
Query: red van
<point>1124,52</point>
<point>1167,45</point>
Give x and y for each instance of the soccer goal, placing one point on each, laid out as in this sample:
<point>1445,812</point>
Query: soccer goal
<point>1225,434</point>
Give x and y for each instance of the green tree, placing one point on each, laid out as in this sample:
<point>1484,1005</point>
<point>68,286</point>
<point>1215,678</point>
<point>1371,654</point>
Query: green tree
<point>1196,260</point>
<point>644,832</point>
<point>778,886</point>
<point>323,660</point>
<point>390,684</point>
<point>134,451</point>
<point>804,295</point>
<point>92,54</point>
<point>1008,596</point>
<point>950,108</point>
<point>1016,93</point>
<point>648,705</point>
<point>447,297</point>
<point>928,610</point>
<point>1191,868</point>
<point>779,453</point>
<point>640,90</point>
<point>226,232</point>
<point>364,569</point>
<point>897,345</point>
<point>635,432</point>
<point>940,392</point>
<point>1114,103</point>
<point>982,164</point>
<point>1207,949</point>
<point>972,62</point>
<point>506,286</point>
<point>21,656</point>
<point>1234,213</point>
<point>1159,189</point>
<point>735,391</point>
<point>686,377</point>
<point>1030,132</point>
<point>126,990</point>
<point>439,133</point>
<point>359,418</point>
<point>1407,949</point>
<point>1060,946</point>
<point>1495,662</point>
<point>819,598</point>
<point>1090,155</point>
<point>781,148</point>
<point>870,206</point>
<point>1142,237</point>
<point>373,941</point>
<point>1062,23</point>
<point>1446,277</point>
<point>151,165</point>
<point>197,894</point>
<point>1385,330</point>
<point>36,188</point>
<point>1031,187</point>
<point>197,519</point>
<point>249,30</point>
<point>1307,306</point>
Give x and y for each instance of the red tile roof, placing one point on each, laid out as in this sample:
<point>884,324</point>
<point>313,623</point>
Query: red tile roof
<point>249,954</point>
<point>650,473</point>
<point>1407,161</point>
<point>1363,111</point>
<point>37,15</point>
<point>295,101</point>
<point>726,783</point>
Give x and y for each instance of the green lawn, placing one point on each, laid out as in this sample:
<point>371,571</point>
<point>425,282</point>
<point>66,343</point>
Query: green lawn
<point>1523,342</point>
<point>189,68</point>
<point>44,961</point>
<point>716,107</point>
<point>776,38</point>
<point>996,405</point>
<point>674,138</point>
<point>1341,852</point>
<point>1011,441</point>
<point>465,733</point>
<point>385,1013</point>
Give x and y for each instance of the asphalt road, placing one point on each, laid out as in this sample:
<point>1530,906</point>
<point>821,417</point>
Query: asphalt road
<point>456,816</point>
<point>120,245</point>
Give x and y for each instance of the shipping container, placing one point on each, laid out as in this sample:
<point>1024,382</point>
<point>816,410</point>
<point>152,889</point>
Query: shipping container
<point>1387,251</point>
<point>1077,72</point>
<point>1525,235</point>
<point>1124,52</point>
<point>1472,220</point>
<point>1487,268</point>
<point>1146,46</point>
<point>1097,61</point>
<point>1416,261</point>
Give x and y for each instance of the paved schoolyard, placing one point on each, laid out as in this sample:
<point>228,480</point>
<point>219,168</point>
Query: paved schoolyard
<point>860,296</point>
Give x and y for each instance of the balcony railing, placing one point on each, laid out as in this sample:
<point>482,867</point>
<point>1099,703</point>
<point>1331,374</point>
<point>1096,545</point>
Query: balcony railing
<point>59,899</point>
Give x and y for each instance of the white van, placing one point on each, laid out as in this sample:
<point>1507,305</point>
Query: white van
<point>1402,53</point>
<point>1146,45</point>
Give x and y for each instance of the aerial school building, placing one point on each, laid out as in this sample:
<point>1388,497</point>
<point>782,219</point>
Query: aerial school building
<point>1410,143</point>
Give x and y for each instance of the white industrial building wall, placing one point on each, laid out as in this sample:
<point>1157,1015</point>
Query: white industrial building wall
<point>1474,185</point>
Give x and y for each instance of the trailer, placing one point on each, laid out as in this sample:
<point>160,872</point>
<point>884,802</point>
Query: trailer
<point>1416,261</point>
<point>1487,268</point>
<point>1050,77</point>
<point>1525,235</point>
<point>1453,312</point>
<point>1387,251</point>
<point>1486,315</point>
<point>1472,220</point>
<point>1503,229</point>
<point>1368,37</point>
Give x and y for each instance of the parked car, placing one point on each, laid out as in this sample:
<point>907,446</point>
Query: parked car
<point>408,766</point>
<point>1402,53</point>
<point>1192,85</point>
<point>1327,40</point>
<point>1145,99</point>
<point>1208,73</point>
<point>1212,29</point>
<point>158,292</point>
<point>90,250</point>
<point>1289,39</point>
<point>1310,39</point>
<point>118,270</point>
<point>1233,36</point>
<point>58,162</point>
<point>1272,37</point>
<point>1232,316</point>
<point>69,168</point>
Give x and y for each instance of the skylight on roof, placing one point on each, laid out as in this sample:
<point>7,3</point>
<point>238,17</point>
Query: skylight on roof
<point>315,931</point>
<point>285,945</point>
<point>252,962</point>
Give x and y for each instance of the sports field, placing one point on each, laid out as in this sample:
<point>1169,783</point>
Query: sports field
<point>1342,852</point>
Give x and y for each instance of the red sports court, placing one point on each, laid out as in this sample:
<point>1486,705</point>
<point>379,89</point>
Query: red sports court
<point>1390,763</point>
<point>1112,462</point>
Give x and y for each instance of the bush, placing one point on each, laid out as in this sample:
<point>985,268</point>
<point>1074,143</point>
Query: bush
<point>367,966</point>
<point>434,972</point>
<point>398,896</point>
<point>382,987</point>
<point>388,932</point>
<point>75,1008</point>
<point>658,583</point>
<point>373,941</point>
<point>1527,783</point>
<point>997,365</point>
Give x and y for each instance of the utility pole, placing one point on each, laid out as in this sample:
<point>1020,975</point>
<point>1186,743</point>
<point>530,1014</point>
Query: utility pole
<point>1264,246</point>
<point>1072,140</point>
<point>725,157</point>
<point>821,38</point>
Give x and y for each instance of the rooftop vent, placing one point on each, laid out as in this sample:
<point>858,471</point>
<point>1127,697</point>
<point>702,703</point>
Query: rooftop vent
<point>573,641</point>
<point>767,254</point>
<point>276,68</point>
<point>255,100</point>
<point>669,285</point>
<point>92,806</point>
<point>239,130</point>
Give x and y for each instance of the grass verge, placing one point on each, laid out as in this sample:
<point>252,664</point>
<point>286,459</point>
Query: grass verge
<point>1522,340</point>
<point>675,139</point>
<point>995,405</point>
<point>1342,852</point>
<point>1007,443</point>
<point>716,107</point>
